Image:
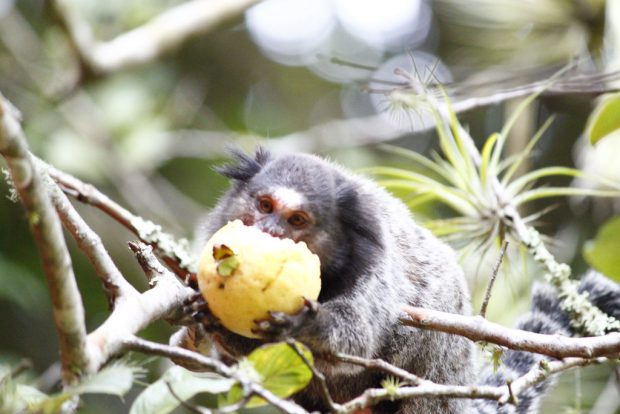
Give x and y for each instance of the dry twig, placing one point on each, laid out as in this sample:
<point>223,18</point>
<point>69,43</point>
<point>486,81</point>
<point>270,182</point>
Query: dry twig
<point>487,295</point>
<point>318,376</point>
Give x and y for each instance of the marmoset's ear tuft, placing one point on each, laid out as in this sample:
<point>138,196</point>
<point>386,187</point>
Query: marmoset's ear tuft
<point>244,166</point>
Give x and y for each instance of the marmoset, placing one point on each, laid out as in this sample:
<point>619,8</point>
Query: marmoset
<point>374,259</point>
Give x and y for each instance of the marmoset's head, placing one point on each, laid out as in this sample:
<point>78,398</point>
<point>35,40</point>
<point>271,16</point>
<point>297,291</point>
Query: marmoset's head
<point>304,198</point>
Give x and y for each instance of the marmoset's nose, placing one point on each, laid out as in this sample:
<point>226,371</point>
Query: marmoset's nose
<point>272,225</point>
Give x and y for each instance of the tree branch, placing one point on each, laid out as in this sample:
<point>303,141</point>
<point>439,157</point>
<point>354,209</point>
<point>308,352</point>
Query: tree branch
<point>67,304</point>
<point>174,253</point>
<point>150,41</point>
<point>541,372</point>
<point>381,365</point>
<point>477,328</point>
<point>90,243</point>
<point>503,394</point>
<point>196,359</point>
<point>134,314</point>
<point>318,376</point>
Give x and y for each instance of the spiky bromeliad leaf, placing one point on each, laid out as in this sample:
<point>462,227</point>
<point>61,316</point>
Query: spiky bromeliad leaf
<point>450,195</point>
<point>523,155</point>
<point>467,189</point>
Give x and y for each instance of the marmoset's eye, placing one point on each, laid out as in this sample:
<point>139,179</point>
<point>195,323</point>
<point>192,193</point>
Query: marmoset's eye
<point>298,219</point>
<point>265,205</point>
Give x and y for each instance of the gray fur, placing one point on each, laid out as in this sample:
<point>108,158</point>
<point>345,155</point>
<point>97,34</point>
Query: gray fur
<point>374,258</point>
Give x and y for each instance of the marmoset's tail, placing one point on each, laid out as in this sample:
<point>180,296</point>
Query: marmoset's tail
<point>545,317</point>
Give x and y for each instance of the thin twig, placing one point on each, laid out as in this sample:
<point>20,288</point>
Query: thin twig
<point>196,359</point>
<point>487,295</point>
<point>133,343</point>
<point>503,394</point>
<point>511,395</point>
<point>373,396</point>
<point>149,264</point>
<point>477,328</point>
<point>541,372</point>
<point>190,407</point>
<point>174,253</point>
<point>380,365</point>
<point>318,375</point>
<point>90,243</point>
<point>247,394</point>
<point>68,309</point>
<point>284,406</point>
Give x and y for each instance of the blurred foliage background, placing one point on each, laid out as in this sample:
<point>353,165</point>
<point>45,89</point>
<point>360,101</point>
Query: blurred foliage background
<point>296,75</point>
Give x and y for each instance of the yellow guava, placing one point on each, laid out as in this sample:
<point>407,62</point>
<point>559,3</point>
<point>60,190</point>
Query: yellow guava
<point>244,273</point>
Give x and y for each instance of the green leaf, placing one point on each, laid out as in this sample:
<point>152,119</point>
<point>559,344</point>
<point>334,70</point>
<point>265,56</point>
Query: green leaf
<point>282,370</point>
<point>157,399</point>
<point>486,157</point>
<point>497,358</point>
<point>602,252</point>
<point>51,404</point>
<point>604,119</point>
<point>227,261</point>
<point>227,267</point>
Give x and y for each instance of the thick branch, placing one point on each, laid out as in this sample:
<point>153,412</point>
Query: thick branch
<point>477,328</point>
<point>150,41</point>
<point>137,312</point>
<point>47,231</point>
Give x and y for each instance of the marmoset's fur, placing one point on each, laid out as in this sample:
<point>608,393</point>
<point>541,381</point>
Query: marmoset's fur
<point>374,259</point>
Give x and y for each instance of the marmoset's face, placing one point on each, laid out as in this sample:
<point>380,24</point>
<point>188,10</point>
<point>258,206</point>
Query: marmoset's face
<point>281,212</point>
<point>286,211</point>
